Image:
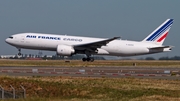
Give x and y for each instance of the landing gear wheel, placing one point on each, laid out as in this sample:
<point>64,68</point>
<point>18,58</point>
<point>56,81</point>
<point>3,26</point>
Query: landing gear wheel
<point>19,54</point>
<point>88,59</point>
<point>88,55</point>
<point>92,59</point>
<point>84,59</point>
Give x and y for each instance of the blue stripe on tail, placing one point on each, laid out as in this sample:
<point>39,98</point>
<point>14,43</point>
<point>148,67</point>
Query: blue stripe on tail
<point>160,30</point>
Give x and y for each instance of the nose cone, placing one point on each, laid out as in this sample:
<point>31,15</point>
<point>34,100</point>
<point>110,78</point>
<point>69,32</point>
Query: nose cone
<point>8,41</point>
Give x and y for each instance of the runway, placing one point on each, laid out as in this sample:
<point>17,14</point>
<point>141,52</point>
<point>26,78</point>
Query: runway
<point>113,72</point>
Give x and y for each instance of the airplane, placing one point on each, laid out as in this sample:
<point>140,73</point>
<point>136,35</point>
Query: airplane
<point>65,45</point>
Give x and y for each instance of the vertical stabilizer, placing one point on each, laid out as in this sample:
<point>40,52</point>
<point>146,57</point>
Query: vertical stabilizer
<point>159,34</point>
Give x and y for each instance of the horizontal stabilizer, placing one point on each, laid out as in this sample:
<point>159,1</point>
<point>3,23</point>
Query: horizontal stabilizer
<point>161,47</point>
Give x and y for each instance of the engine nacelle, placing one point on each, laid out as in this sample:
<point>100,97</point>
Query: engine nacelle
<point>65,50</point>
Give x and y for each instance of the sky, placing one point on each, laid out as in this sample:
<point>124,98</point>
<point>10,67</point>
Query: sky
<point>129,19</point>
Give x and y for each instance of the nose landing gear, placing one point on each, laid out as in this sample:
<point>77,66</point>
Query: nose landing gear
<point>19,52</point>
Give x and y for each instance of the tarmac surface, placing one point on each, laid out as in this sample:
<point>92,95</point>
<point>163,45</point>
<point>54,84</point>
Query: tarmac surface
<point>112,72</point>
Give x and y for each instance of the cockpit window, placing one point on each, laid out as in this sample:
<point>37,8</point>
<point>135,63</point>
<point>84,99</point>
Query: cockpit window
<point>11,37</point>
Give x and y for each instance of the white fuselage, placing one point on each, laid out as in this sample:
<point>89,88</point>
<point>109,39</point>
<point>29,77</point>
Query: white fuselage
<point>50,42</point>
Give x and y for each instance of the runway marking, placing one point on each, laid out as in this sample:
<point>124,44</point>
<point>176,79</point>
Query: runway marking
<point>84,73</point>
<point>140,75</point>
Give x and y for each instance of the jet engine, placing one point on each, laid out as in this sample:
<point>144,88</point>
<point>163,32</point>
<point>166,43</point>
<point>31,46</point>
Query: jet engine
<point>65,50</point>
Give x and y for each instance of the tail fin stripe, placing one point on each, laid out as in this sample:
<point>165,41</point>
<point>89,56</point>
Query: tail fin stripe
<point>164,27</point>
<point>167,24</point>
<point>159,35</point>
<point>161,32</point>
<point>164,36</point>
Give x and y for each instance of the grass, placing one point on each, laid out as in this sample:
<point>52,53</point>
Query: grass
<point>97,63</point>
<point>94,89</point>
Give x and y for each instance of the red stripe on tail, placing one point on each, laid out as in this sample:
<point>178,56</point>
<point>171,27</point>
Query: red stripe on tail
<point>164,36</point>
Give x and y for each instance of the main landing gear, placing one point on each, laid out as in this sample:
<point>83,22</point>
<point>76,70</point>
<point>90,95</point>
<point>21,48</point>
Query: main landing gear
<point>89,59</point>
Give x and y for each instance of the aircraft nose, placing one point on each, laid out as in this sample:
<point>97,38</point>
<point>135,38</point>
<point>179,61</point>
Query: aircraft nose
<point>7,40</point>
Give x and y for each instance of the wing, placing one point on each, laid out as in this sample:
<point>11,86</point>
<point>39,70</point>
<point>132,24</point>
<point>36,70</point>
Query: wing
<point>94,45</point>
